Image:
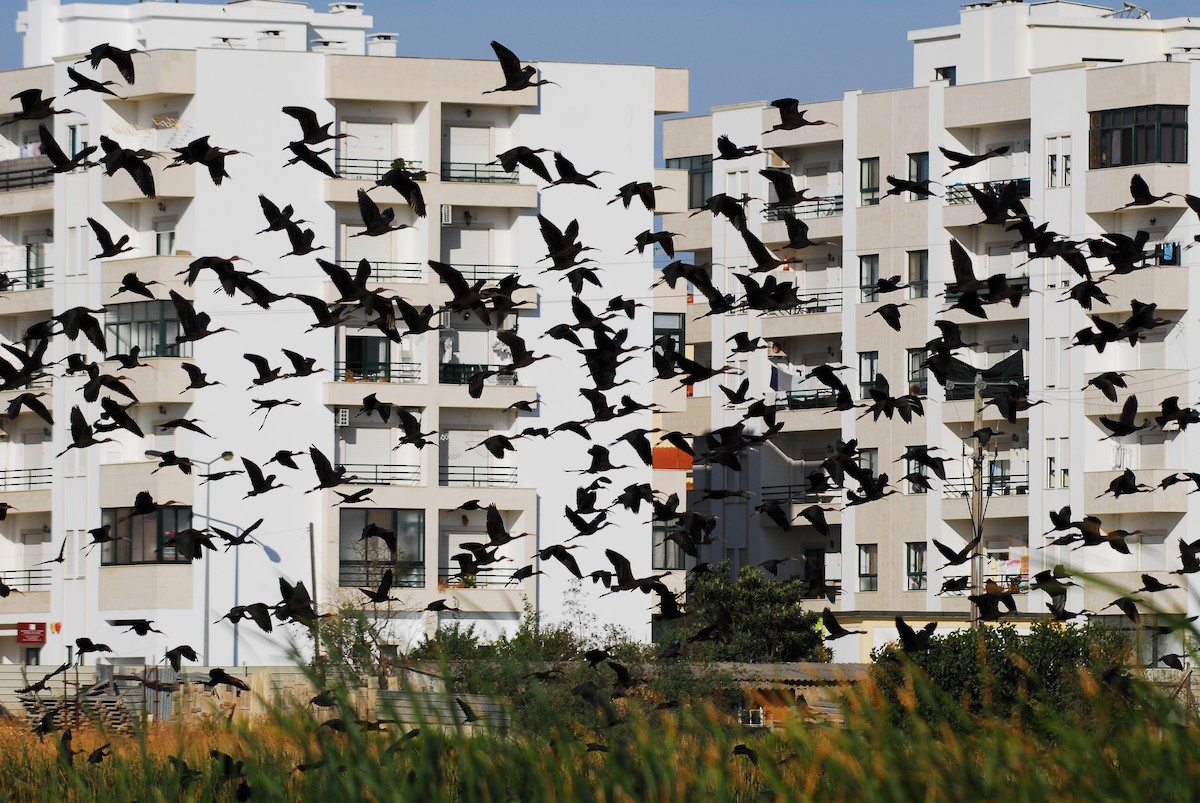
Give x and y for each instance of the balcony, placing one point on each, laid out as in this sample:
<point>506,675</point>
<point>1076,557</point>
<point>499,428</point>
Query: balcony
<point>377,474</point>
<point>477,476</point>
<point>176,183</point>
<point>997,485</point>
<point>1108,187</point>
<point>1006,496</point>
<point>370,169</point>
<point>461,373</point>
<point>403,373</point>
<point>820,313</point>
<point>448,577</point>
<point>797,494</point>
<point>476,173</point>
<point>1168,500</point>
<point>408,272</point>
<point>25,479</point>
<point>364,573</point>
<point>961,209</point>
<point>962,391</point>
<point>810,399</point>
<point>13,177</point>
<point>818,207</point>
<point>473,273</point>
<point>36,578</point>
<point>1012,583</point>
<point>167,72</point>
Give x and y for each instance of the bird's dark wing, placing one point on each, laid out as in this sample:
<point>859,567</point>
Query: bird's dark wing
<point>51,148</point>
<point>306,117</point>
<point>102,236</point>
<point>508,62</point>
<point>367,208</point>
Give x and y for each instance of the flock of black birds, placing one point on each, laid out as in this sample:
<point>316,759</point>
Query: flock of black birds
<point>608,349</point>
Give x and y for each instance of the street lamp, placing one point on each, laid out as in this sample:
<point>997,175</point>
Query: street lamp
<point>226,456</point>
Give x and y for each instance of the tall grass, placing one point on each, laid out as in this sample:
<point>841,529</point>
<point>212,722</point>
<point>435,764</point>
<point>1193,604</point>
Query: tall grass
<point>1138,748</point>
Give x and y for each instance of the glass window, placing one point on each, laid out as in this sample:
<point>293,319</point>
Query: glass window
<point>918,274</point>
<point>918,374</point>
<point>1139,135</point>
<point>868,567</point>
<point>947,74</point>
<point>152,325</point>
<point>164,238</point>
<point>868,181</point>
<point>868,275</point>
<point>669,323</point>
<point>868,365</point>
<point>915,467</point>
<point>914,563</point>
<point>700,178</point>
<point>869,459</point>
<point>1051,169</point>
<point>918,170</point>
<point>666,555</point>
<point>143,539</point>
<point>362,562</point>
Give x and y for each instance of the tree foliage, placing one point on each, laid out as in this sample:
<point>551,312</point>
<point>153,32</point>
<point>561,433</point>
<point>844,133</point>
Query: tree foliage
<point>1055,671</point>
<point>759,618</point>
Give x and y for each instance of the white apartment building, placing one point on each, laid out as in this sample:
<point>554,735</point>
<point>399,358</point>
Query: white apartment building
<point>1084,97</point>
<point>225,70</point>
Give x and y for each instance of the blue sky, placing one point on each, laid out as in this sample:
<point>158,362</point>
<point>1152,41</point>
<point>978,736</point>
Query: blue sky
<point>752,50</point>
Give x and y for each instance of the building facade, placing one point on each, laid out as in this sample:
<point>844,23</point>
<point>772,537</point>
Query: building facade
<point>1083,98</point>
<point>225,70</point>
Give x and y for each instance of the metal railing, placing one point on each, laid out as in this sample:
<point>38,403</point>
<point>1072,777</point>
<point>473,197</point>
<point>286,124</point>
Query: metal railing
<point>24,265</point>
<point>473,273</point>
<point>477,476</point>
<point>959,194</point>
<point>461,373</point>
<point>818,207</point>
<point>477,172</point>
<point>23,479</point>
<point>1013,583</point>
<point>389,271</point>
<point>449,577</point>
<point>25,178</point>
<point>26,579</point>
<point>353,167</point>
<point>810,399</point>
<point>961,391</point>
<point>797,494</point>
<point>826,588</point>
<point>405,373</point>
<point>363,573</point>
<point>1016,282</point>
<point>994,485</point>
<point>381,474</point>
<point>814,303</point>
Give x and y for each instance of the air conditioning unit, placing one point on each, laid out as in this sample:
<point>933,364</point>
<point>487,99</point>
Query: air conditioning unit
<point>447,214</point>
<point>343,416</point>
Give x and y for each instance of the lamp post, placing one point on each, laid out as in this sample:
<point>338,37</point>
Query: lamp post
<point>272,556</point>
<point>226,456</point>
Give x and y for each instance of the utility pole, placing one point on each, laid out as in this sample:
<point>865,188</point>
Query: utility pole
<point>312,557</point>
<point>977,453</point>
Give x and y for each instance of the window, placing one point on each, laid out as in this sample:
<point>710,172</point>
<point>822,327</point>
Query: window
<point>868,567</point>
<point>1058,162</point>
<point>868,276</point>
<point>918,170</point>
<point>868,365</point>
<point>152,325</point>
<point>868,181</point>
<point>666,555</point>
<point>669,323</point>
<point>368,358</point>
<point>918,274</point>
<point>915,467</point>
<point>164,238</point>
<point>700,180</point>
<point>947,74</point>
<point>363,562</point>
<point>869,460</point>
<point>143,539</point>
<point>1137,135</point>
<point>914,565</point>
<point>1051,465</point>
<point>918,373</point>
<point>78,138</point>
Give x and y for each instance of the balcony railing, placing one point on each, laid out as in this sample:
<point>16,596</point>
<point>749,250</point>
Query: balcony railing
<point>26,579</point>
<point>815,303</point>
<point>1016,282</point>
<point>477,173</point>
<point>810,399</point>
<point>959,194</point>
<point>461,373</point>
<point>25,178</point>
<point>24,265</point>
<point>363,573</point>
<point>449,577</point>
<point>818,207</point>
<point>353,167</point>
<point>1017,583</point>
<point>24,479</point>
<point>389,271</point>
<point>473,273</point>
<point>995,485</point>
<point>380,474</point>
<point>797,494</point>
<point>822,589</point>
<point>961,391</point>
<point>477,476</point>
<point>405,373</point>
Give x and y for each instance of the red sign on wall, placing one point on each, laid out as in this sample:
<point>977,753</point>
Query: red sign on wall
<point>31,632</point>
